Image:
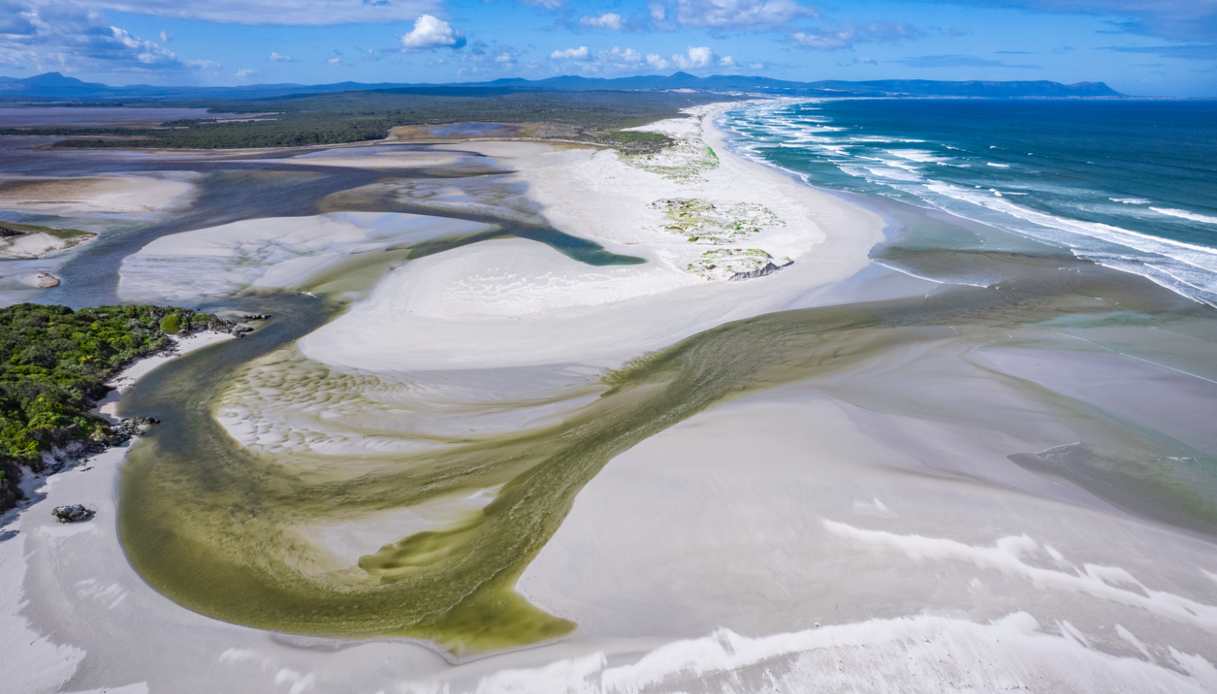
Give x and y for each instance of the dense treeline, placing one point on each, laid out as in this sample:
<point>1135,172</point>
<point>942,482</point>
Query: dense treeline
<point>54,364</point>
<point>359,116</point>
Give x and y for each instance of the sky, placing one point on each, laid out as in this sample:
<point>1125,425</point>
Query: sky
<point>1141,47</point>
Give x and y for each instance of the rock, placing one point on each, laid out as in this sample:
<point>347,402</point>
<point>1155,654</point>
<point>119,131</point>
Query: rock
<point>229,317</point>
<point>736,264</point>
<point>10,485</point>
<point>72,513</point>
<point>767,269</point>
<point>125,430</point>
<point>40,280</point>
<point>45,280</point>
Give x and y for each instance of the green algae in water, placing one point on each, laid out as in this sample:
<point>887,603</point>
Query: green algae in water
<point>217,527</point>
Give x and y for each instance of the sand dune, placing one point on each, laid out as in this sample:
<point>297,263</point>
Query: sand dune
<point>471,302</point>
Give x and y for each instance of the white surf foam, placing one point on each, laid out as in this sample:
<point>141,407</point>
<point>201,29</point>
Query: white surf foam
<point>917,155</point>
<point>1185,268</point>
<point>1185,214</point>
<point>1200,256</point>
<point>913,655</point>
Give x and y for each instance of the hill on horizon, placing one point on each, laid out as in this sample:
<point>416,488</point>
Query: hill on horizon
<point>57,86</point>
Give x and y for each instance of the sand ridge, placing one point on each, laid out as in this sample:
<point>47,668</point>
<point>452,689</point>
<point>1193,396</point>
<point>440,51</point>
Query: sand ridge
<point>932,561</point>
<point>470,302</point>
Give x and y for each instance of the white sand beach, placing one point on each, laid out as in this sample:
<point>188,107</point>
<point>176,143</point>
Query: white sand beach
<point>659,608</point>
<point>861,532</point>
<point>517,302</point>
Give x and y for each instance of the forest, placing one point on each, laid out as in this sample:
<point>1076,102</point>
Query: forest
<point>592,116</point>
<point>54,365</point>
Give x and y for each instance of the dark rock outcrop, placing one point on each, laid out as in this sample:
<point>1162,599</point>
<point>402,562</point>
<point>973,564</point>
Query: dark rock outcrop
<point>767,269</point>
<point>73,513</point>
<point>10,484</point>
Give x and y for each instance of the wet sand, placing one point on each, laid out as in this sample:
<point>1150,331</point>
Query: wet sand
<point>856,495</point>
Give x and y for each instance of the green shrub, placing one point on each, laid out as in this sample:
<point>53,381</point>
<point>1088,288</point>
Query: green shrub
<point>171,324</point>
<point>54,364</point>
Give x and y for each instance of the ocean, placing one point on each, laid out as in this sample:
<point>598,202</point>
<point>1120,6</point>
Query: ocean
<point>1129,184</point>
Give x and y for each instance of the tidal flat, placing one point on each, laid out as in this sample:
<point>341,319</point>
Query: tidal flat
<point>193,530</point>
<point>497,435</point>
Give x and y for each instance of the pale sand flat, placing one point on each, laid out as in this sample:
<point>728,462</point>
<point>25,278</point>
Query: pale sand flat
<point>471,302</point>
<point>98,194</point>
<point>268,253</point>
<point>761,517</point>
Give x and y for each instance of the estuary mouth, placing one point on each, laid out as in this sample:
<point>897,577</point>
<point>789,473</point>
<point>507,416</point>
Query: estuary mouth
<point>485,388</point>
<point>305,462</point>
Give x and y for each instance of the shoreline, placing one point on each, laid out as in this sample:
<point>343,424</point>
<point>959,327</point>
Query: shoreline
<point>107,407</point>
<point>673,557</point>
<point>53,664</point>
<point>459,300</point>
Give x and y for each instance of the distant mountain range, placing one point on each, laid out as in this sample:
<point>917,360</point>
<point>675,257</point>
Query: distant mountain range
<point>53,86</point>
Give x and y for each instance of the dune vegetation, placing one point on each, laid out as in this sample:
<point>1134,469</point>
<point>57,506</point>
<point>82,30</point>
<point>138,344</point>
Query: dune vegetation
<point>54,365</point>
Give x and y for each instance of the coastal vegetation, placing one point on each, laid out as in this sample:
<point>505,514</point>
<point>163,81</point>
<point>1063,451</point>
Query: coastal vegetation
<point>291,121</point>
<point>735,264</point>
<point>54,365</point>
<point>702,221</point>
<point>686,158</point>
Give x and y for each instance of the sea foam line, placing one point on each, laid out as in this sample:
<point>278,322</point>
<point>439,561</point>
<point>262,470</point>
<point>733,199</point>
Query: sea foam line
<point>1185,214</point>
<point>1207,259</point>
<point>902,175</point>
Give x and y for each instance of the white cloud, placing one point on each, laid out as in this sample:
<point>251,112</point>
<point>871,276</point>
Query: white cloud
<point>608,20</point>
<point>42,35</point>
<point>277,57</point>
<point>739,13</point>
<point>432,32</point>
<point>335,58</point>
<point>726,61</point>
<point>244,73</point>
<point>622,57</point>
<point>547,4</point>
<point>208,65</point>
<point>504,58</point>
<point>290,12</point>
<point>164,36</point>
<point>659,13</point>
<point>579,53</point>
<point>145,52</point>
<point>657,61</point>
<point>821,39</point>
<point>829,39</point>
<point>694,58</point>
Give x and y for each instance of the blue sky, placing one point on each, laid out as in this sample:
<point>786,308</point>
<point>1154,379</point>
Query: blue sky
<point>1150,47</point>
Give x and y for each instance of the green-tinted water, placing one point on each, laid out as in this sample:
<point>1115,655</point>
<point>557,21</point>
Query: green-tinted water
<point>218,528</point>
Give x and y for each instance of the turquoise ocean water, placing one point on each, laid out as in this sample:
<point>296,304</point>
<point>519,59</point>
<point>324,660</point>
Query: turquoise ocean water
<point>1126,183</point>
